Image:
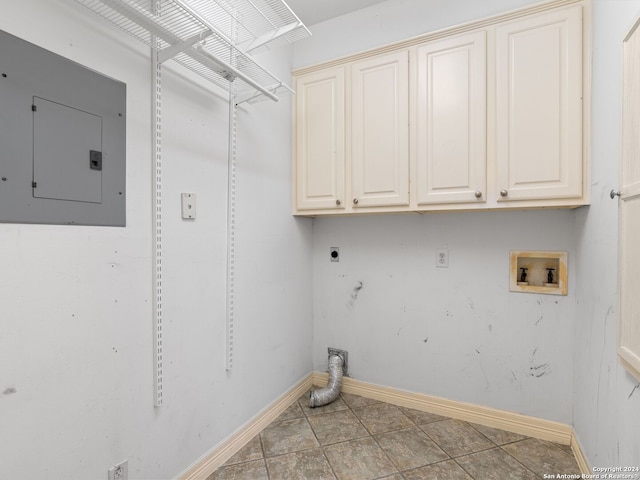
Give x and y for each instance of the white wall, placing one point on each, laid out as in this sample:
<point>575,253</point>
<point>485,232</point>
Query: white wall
<point>76,336</point>
<point>606,397</point>
<point>454,332</point>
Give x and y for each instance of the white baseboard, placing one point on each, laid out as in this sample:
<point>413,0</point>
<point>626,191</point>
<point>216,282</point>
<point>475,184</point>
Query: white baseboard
<point>576,448</point>
<point>217,456</point>
<point>491,417</point>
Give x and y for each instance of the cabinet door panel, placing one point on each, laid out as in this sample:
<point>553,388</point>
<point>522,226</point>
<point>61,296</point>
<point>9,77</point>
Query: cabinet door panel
<point>451,120</point>
<point>539,107</point>
<point>380,131</point>
<point>320,134</point>
<point>629,253</point>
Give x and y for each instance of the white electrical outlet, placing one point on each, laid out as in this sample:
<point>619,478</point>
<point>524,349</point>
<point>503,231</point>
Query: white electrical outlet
<point>188,206</point>
<point>442,258</point>
<point>119,471</point>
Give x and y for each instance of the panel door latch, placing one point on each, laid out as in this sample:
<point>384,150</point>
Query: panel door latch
<point>95,160</point>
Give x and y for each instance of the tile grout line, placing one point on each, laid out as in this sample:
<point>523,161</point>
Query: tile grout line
<point>369,435</point>
<point>385,452</point>
<point>374,438</point>
<point>525,467</point>
<point>324,454</point>
<point>324,446</point>
<point>264,455</point>
<point>518,461</point>
<point>414,425</point>
<point>495,445</point>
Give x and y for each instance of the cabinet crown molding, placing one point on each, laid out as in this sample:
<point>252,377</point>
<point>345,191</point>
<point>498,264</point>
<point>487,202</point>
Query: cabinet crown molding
<point>444,32</point>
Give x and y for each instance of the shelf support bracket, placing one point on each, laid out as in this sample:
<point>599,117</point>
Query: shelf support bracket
<point>169,52</point>
<point>230,72</point>
<point>268,37</point>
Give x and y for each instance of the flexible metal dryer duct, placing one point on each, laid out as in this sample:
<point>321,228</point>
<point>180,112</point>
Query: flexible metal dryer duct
<point>323,396</point>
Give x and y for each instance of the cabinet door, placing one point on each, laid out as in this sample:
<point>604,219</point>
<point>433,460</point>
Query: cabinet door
<point>451,120</point>
<point>629,253</point>
<point>539,107</point>
<point>320,134</point>
<point>380,130</point>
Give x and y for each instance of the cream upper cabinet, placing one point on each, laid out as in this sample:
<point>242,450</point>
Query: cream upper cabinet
<point>320,140</point>
<point>539,107</point>
<point>450,121</point>
<point>484,116</point>
<point>380,131</point>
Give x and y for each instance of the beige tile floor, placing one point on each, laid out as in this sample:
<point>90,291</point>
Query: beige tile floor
<point>355,438</point>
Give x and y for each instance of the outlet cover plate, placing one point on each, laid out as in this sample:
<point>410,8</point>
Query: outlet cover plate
<point>442,258</point>
<point>119,471</point>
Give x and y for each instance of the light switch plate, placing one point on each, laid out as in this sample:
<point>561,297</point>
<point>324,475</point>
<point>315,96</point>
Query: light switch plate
<point>189,206</point>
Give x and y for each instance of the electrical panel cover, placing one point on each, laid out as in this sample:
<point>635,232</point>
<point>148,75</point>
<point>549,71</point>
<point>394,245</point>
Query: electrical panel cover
<point>62,140</point>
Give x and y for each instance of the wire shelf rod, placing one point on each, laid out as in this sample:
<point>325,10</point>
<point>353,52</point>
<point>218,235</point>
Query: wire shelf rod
<point>236,73</point>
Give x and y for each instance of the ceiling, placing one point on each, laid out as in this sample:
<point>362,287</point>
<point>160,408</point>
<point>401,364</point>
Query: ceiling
<point>316,11</point>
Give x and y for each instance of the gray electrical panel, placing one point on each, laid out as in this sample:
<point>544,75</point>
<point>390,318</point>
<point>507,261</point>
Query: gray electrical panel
<point>62,140</point>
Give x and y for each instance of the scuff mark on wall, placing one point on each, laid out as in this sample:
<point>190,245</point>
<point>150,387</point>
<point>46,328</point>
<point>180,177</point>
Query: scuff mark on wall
<point>634,390</point>
<point>402,327</point>
<point>539,370</point>
<point>487,385</point>
<point>540,319</point>
<point>9,391</point>
<point>354,293</point>
<point>610,311</point>
<point>426,340</point>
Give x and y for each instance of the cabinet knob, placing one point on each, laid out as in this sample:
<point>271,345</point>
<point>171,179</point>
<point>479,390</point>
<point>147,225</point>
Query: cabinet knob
<point>478,194</point>
<point>504,193</point>
<point>355,201</point>
<point>613,194</point>
<point>338,202</point>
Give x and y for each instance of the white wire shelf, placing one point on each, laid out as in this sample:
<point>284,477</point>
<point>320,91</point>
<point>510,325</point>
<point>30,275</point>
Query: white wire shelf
<point>212,38</point>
